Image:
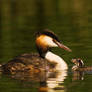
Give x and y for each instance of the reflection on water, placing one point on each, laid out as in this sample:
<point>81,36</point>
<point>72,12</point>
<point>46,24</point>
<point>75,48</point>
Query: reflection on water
<point>78,75</point>
<point>49,81</point>
<point>54,80</point>
<point>44,81</point>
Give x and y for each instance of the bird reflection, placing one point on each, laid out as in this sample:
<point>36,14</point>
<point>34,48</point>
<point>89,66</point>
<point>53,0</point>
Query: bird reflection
<point>78,75</point>
<point>49,81</point>
<point>56,83</point>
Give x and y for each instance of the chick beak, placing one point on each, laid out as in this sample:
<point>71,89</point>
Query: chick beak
<point>62,46</point>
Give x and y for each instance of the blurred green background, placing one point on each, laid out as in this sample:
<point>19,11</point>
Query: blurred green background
<point>71,20</point>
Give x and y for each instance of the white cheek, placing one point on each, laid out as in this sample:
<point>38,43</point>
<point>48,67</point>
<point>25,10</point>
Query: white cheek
<point>48,41</point>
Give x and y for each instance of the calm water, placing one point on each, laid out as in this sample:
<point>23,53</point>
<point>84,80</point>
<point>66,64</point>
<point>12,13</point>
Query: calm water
<point>71,20</point>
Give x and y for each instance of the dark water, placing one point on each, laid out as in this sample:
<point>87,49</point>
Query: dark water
<point>71,20</point>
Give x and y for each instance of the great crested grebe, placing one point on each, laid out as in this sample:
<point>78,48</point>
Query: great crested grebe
<point>79,65</point>
<point>42,61</point>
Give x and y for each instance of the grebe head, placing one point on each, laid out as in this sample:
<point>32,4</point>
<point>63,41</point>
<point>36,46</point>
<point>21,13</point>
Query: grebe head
<point>78,62</point>
<point>47,39</point>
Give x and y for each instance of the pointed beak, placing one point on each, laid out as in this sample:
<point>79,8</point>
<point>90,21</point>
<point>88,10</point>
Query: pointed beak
<point>63,46</point>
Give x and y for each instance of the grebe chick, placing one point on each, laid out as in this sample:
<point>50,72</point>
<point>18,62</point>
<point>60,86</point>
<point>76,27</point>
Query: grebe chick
<point>44,60</point>
<point>79,65</point>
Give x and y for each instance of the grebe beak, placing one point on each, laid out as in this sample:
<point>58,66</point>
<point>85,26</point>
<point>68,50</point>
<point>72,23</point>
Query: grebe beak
<point>62,46</point>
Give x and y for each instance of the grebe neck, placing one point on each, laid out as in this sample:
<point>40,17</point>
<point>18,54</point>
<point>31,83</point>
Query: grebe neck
<point>61,64</point>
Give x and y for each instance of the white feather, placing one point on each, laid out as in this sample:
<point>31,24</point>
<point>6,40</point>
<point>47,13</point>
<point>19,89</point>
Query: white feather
<point>61,64</point>
<point>49,41</point>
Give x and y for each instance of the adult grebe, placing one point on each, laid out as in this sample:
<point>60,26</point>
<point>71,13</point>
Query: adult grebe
<point>79,65</point>
<point>42,61</point>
